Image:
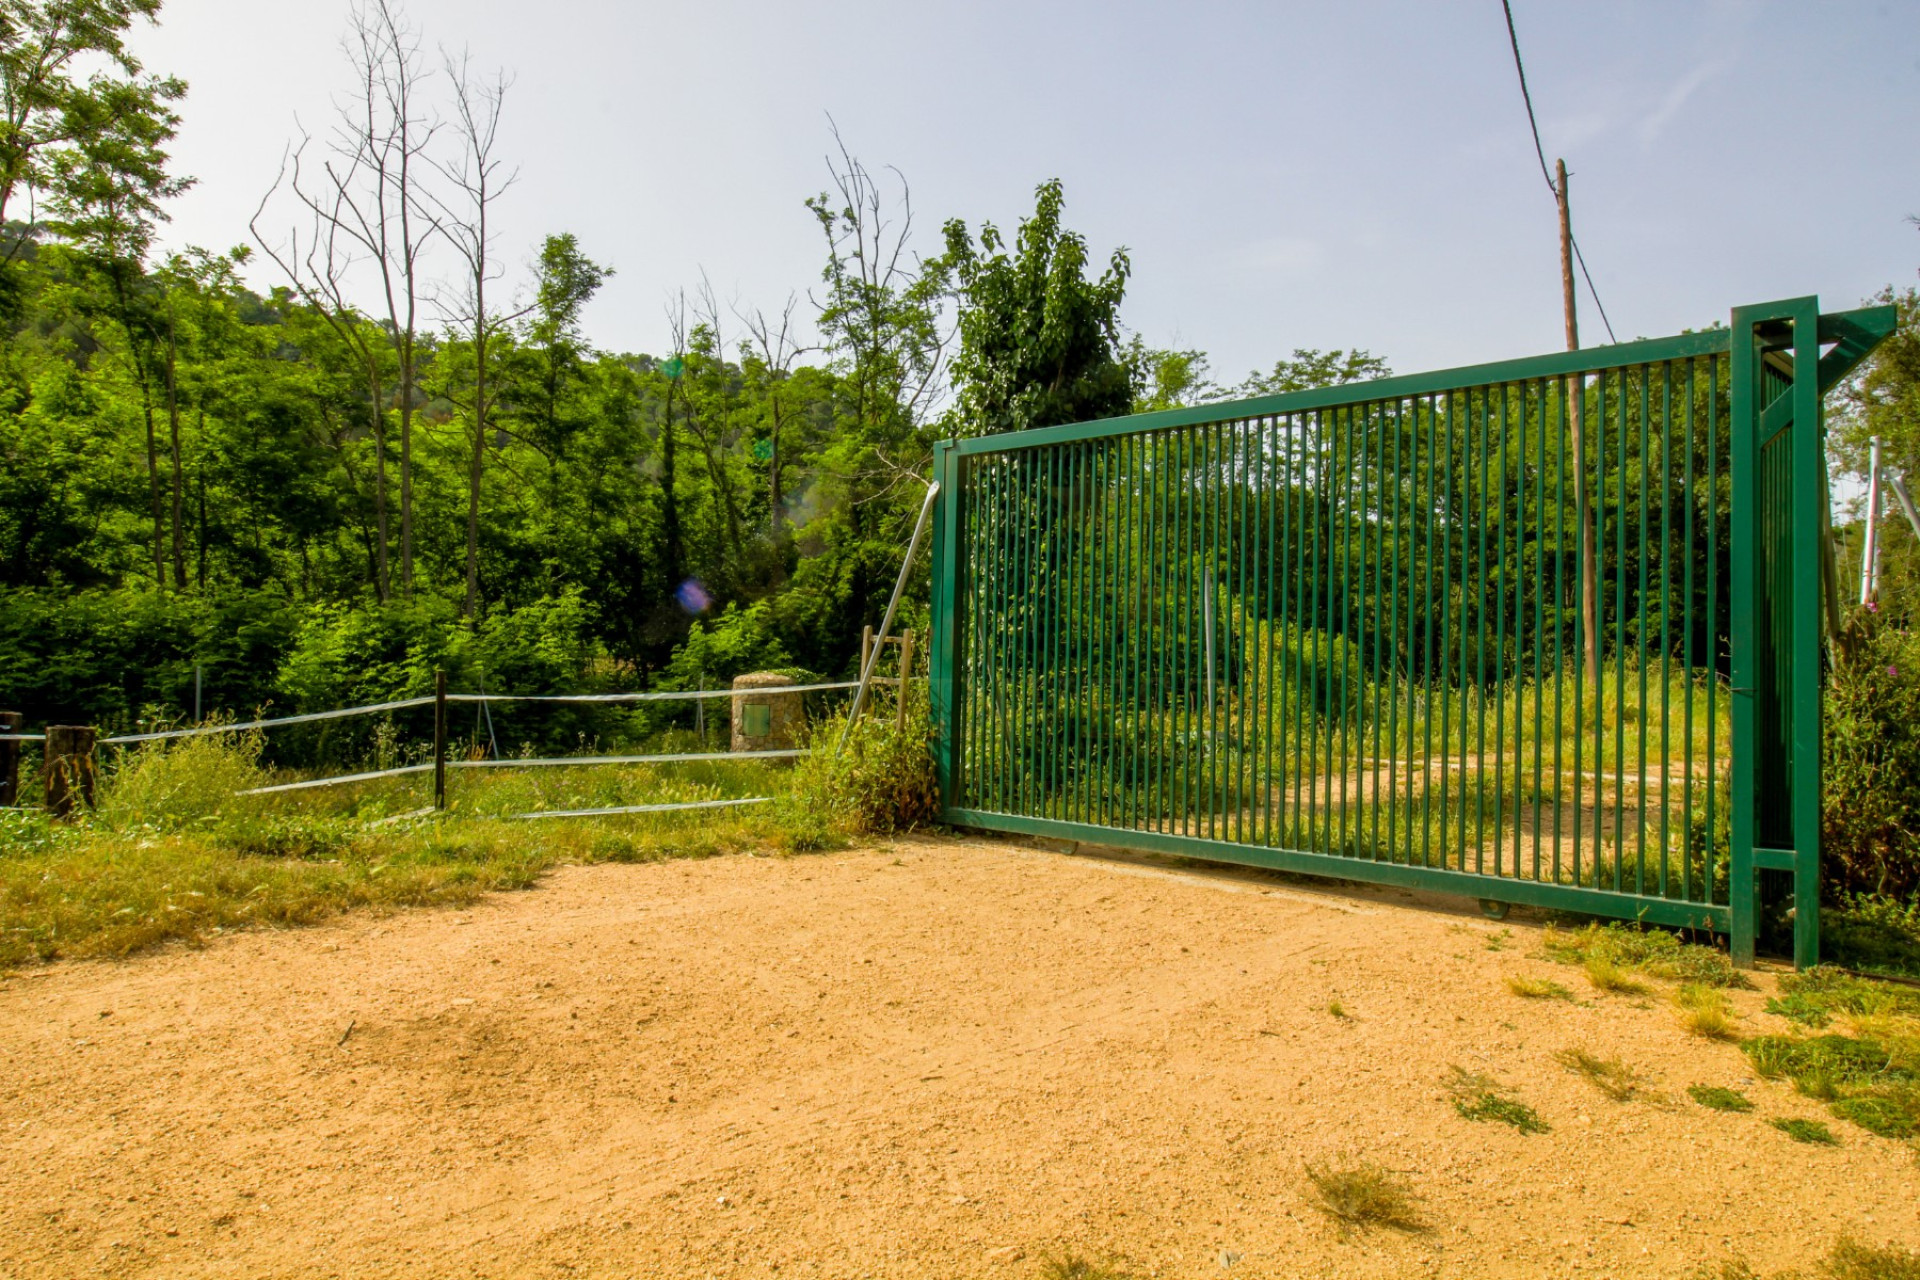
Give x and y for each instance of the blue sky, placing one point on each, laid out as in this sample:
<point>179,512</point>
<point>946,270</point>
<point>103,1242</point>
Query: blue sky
<point>1283,174</point>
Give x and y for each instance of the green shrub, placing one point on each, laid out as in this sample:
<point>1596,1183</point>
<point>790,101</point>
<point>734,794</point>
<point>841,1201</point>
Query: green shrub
<point>170,783</point>
<point>880,782</point>
<point>1870,821</point>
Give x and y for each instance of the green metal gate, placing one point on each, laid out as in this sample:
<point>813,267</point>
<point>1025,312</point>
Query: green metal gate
<point>1544,632</point>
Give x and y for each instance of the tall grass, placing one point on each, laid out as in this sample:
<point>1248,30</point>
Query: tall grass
<point>175,851</point>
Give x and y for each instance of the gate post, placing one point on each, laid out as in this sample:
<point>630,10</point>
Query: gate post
<point>1777,516</point>
<point>942,689</point>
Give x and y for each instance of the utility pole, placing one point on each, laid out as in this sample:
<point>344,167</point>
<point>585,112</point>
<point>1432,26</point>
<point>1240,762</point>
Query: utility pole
<point>1577,407</point>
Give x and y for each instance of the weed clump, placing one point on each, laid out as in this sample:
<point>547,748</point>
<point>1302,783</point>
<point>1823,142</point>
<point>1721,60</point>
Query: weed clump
<point>1705,1012</point>
<point>1606,975</point>
<point>1610,1076</point>
<point>1715,1098</point>
<point>1654,953</point>
<point>1362,1194</point>
<point>1849,1259</point>
<point>1073,1267</point>
<point>1537,989</point>
<point>1814,997</point>
<point>1808,1131</point>
<point>1872,1084</point>
<point>1480,1097</point>
<point>880,783</point>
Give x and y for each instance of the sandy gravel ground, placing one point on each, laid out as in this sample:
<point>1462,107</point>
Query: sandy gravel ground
<point>938,1059</point>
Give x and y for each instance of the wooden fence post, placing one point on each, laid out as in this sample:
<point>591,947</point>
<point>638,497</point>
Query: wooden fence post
<point>10,722</point>
<point>69,769</point>
<point>906,674</point>
<point>439,739</point>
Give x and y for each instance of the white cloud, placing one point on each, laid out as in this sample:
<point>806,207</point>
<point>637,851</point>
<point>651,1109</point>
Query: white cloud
<point>1676,98</point>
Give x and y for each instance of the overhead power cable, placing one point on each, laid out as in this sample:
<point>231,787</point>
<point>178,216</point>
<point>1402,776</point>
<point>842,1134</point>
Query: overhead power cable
<point>1540,152</point>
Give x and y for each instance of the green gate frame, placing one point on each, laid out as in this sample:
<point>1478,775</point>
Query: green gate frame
<point>1778,377</point>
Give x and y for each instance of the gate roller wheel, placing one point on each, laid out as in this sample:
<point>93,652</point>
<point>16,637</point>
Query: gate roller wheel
<point>1494,910</point>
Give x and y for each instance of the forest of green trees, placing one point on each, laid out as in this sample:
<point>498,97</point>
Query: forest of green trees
<point>356,447</point>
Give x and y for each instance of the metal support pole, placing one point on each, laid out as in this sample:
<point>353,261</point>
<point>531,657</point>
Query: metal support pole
<point>900,585</point>
<point>439,739</point>
<point>1870,546</point>
<point>196,693</point>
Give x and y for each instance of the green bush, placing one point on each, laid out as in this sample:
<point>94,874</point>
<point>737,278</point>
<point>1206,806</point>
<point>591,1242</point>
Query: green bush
<point>1870,823</point>
<point>881,782</point>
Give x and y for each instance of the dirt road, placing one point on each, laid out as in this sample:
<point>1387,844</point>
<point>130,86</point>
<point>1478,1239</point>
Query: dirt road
<point>938,1059</point>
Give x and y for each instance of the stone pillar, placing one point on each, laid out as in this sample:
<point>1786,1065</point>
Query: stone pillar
<point>69,769</point>
<point>765,719</point>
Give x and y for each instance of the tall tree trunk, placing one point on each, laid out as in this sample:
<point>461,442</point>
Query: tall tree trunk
<point>173,433</point>
<point>153,488</point>
<point>383,582</point>
<point>675,555</point>
<point>406,468</point>
<point>200,485</point>
<point>479,444</point>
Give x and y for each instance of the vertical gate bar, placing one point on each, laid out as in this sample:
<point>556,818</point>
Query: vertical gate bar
<point>1015,581</point>
<point>1375,516</point>
<point>1713,610</point>
<point>1061,709</point>
<point>1559,392</point>
<point>1429,512</point>
<point>1348,711</point>
<point>1262,660</point>
<point>1599,641</point>
<point>1311,693</point>
<point>986,592</point>
<point>1178,482</point>
<point>1173,483</point>
<point>1324,523</point>
<point>1360,635</point>
<point>1195,524</point>
<point>1217,498</point>
<point>1296,638</point>
<point>1624,386</point>
<point>1086,755</point>
<point>1081,635</point>
<point>1395,655</point>
<point>1575,403</point>
<point>969,475</point>
<point>1540,397</point>
<point>1499,692</point>
<point>1248,557</point>
<point>1743,387</point>
<point>1687,661</point>
<point>1448,521</point>
<point>1126,597</point>
<point>1182,683</point>
<point>1481,592</point>
<point>1104,716</point>
<point>1040,581</point>
<point>1640,618</point>
<point>1666,620</point>
<point>1272,435</point>
<point>1463,513</point>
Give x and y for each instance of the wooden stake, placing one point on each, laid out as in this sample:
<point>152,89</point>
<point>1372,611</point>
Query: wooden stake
<point>439,739</point>
<point>906,672</point>
<point>69,770</point>
<point>1577,406</point>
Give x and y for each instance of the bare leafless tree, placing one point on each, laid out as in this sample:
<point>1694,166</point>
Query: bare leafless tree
<point>476,178</point>
<point>778,348</point>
